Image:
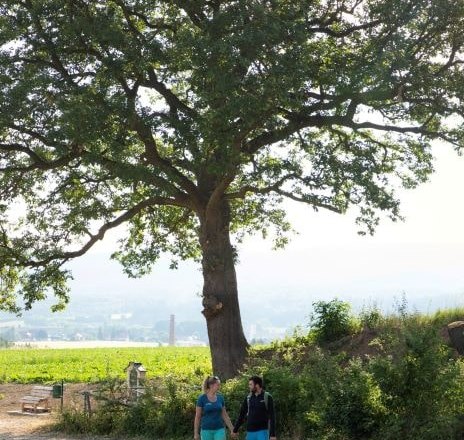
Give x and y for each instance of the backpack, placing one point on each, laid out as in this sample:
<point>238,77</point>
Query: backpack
<point>266,400</point>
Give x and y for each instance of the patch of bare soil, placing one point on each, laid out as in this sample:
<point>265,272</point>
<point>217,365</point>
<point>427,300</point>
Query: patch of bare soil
<point>17,426</point>
<point>358,345</point>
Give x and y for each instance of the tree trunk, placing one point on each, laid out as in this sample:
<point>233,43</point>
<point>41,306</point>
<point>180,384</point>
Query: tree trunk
<point>227,341</point>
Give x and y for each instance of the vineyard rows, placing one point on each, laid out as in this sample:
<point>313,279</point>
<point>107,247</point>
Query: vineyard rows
<point>96,364</point>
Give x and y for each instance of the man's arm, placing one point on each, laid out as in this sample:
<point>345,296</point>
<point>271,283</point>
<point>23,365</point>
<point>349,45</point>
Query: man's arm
<point>242,415</point>
<point>272,423</point>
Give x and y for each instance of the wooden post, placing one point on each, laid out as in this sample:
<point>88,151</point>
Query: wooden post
<point>87,408</point>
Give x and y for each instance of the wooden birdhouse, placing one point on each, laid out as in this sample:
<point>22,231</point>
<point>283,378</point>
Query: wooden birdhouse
<point>136,374</point>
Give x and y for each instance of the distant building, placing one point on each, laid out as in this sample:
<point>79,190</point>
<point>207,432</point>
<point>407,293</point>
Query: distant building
<point>120,316</point>
<point>191,342</point>
<point>11,324</point>
<point>78,337</point>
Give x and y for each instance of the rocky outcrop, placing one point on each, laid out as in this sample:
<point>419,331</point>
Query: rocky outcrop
<point>456,334</point>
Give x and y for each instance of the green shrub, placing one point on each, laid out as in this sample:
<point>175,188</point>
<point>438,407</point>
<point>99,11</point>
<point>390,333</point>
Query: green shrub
<point>422,386</point>
<point>235,391</point>
<point>165,410</point>
<point>74,422</point>
<point>370,317</point>
<point>332,320</point>
<point>354,402</point>
<point>320,370</point>
<point>284,385</point>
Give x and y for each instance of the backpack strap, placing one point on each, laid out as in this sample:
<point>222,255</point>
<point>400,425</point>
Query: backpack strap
<point>266,401</point>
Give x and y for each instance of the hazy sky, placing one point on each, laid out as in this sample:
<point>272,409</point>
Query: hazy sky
<point>423,256</point>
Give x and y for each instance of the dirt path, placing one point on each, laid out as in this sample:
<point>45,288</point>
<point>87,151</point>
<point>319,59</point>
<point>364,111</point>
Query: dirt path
<point>22,427</point>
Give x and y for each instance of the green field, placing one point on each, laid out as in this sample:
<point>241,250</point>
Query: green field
<point>95,364</point>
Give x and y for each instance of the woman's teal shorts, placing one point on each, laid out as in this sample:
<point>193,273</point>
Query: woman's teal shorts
<point>213,434</point>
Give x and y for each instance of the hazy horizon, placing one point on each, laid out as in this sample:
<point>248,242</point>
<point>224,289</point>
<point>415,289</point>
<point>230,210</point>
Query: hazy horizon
<point>422,257</point>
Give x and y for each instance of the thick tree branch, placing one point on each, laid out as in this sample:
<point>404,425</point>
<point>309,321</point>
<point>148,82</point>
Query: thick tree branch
<point>452,61</point>
<point>127,15</point>
<point>276,187</point>
<point>15,147</point>
<point>124,171</point>
<point>39,137</point>
<point>300,121</point>
<point>171,99</point>
<point>94,238</point>
<point>117,169</point>
<point>38,163</point>
<point>56,61</point>
<point>312,200</point>
<point>242,192</point>
<point>346,32</point>
<point>193,11</point>
<point>154,157</point>
<point>272,137</point>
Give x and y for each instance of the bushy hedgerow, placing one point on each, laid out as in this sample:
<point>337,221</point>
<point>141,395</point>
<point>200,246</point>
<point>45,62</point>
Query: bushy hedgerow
<point>412,388</point>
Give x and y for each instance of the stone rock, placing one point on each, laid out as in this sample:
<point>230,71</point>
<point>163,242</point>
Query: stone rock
<point>456,333</point>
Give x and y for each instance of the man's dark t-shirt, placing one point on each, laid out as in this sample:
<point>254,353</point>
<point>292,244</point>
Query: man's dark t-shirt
<point>259,418</point>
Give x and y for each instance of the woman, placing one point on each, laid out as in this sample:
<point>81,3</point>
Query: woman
<point>211,412</point>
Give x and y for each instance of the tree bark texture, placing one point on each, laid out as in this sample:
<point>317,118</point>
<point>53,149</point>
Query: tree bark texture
<point>221,309</point>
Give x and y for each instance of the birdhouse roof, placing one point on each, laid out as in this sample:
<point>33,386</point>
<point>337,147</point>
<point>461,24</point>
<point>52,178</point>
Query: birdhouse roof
<point>135,365</point>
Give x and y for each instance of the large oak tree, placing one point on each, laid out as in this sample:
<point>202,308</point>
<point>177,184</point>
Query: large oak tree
<point>190,121</point>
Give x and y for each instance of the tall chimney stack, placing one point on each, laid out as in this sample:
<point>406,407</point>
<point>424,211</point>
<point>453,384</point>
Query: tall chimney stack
<point>172,334</point>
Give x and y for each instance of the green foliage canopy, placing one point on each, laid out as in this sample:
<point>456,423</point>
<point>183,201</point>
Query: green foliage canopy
<point>152,113</point>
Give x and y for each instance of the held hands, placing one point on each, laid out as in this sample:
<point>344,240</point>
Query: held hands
<point>232,433</point>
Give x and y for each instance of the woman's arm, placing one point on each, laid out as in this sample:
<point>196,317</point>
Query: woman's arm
<point>196,424</point>
<point>226,419</point>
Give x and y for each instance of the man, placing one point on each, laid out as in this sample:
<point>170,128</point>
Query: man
<point>258,409</point>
